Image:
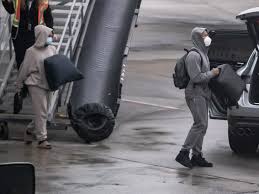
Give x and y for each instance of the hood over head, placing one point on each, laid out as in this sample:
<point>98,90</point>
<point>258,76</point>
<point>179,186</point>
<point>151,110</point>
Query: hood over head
<point>197,39</point>
<point>41,34</point>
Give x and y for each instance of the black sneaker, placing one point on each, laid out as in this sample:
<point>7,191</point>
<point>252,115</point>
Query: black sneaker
<point>200,161</point>
<point>183,159</point>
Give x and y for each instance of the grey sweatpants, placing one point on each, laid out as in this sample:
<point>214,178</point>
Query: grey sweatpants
<point>199,108</point>
<point>39,99</point>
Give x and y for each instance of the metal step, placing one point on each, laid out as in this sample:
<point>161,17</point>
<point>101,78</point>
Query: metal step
<point>62,21</point>
<point>7,106</point>
<point>59,30</point>
<point>14,72</point>
<point>62,7</point>
<point>11,81</point>
<point>3,66</point>
<point>10,89</point>
<point>63,45</point>
<point>64,2</point>
<point>62,15</point>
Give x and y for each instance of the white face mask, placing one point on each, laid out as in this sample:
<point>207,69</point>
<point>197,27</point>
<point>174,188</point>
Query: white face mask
<point>49,40</point>
<point>207,41</point>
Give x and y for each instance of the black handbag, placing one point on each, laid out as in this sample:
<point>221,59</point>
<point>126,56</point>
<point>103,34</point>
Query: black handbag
<point>60,70</point>
<point>228,85</point>
<point>18,101</point>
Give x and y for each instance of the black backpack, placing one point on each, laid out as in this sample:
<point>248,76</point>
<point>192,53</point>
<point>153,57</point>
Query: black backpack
<point>180,75</point>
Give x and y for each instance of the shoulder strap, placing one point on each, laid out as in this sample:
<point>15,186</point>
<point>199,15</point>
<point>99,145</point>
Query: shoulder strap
<point>195,50</point>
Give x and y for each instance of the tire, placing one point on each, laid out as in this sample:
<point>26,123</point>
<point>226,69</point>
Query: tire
<point>242,140</point>
<point>93,122</point>
<point>4,130</point>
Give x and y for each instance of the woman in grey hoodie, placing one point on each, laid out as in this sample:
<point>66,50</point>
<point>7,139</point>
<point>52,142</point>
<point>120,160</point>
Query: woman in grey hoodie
<point>197,95</point>
<point>32,74</point>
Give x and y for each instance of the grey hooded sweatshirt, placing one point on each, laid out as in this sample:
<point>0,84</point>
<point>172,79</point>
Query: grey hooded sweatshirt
<point>198,67</point>
<point>32,70</point>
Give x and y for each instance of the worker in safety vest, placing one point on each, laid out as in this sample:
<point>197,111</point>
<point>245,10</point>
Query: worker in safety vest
<point>27,15</point>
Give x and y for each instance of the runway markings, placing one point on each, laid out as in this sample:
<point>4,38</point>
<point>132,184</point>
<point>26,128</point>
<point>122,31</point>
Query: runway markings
<point>150,104</point>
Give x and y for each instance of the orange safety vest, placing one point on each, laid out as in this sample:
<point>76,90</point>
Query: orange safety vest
<point>43,5</point>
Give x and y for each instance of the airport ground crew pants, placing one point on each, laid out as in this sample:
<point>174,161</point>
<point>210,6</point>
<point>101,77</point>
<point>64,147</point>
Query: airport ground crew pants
<point>23,41</point>
<point>39,98</point>
<point>199,108</point>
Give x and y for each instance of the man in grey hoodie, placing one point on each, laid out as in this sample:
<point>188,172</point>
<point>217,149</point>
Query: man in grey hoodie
<point>197,95</point>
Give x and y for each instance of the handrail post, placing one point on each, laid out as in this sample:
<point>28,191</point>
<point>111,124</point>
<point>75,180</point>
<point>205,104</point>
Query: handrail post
<point>70,36</point>
<point>82,11</point>
<point>10,39</point>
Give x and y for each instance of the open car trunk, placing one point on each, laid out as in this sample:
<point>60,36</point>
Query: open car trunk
<point>230,46</point>
<point>254,86</point>
<point>251,16</point>
<point>233,47</point>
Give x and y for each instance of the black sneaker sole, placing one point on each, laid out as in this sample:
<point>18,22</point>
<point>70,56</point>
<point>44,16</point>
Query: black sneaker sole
<point>185,165</point>
<point>194,164</point>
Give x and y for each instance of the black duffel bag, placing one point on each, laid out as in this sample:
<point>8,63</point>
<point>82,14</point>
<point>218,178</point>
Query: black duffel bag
<point>60,70</point>
<point>228,85</point>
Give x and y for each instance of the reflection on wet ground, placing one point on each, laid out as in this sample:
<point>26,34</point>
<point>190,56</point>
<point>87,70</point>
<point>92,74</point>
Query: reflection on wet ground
<point>137,158</point>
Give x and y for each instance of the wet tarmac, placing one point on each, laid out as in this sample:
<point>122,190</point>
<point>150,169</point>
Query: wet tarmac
<point>152,122</point>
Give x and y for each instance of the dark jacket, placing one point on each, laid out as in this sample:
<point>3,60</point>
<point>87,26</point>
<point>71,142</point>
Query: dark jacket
<point>29,17</point>
<point>33,14</point>
<point>8,6</point>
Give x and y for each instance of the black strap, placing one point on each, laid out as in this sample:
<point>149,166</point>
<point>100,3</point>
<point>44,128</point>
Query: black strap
<point>193,49</point>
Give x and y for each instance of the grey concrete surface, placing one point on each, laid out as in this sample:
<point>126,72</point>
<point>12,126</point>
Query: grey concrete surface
<point>152,122</point>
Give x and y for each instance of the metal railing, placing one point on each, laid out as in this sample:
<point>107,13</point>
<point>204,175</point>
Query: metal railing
<point>83,15</point>
<point>134,24</point>
<point>6,49</point>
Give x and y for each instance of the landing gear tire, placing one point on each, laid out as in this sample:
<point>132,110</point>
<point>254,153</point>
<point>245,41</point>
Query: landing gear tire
<point>93,122</point>
<point>4,130</point>
<point>242,140</point>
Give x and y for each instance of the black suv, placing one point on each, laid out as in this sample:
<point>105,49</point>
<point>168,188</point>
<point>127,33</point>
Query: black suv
<point>240,49</point>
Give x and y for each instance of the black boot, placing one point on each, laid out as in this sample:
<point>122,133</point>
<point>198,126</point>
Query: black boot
<point>198,160</point>
<point>183,159</point>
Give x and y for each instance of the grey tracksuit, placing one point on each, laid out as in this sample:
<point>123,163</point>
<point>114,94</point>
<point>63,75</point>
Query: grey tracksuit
<point>197,93</point>
<point>32,74</point>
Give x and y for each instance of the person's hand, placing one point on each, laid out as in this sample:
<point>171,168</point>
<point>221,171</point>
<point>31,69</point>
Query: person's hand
<point>215,71</point>
<point>56,38</point>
